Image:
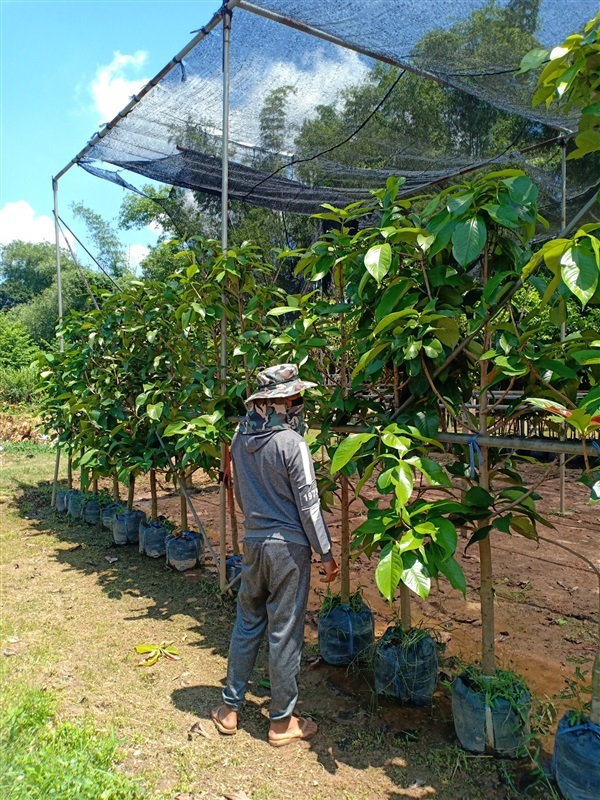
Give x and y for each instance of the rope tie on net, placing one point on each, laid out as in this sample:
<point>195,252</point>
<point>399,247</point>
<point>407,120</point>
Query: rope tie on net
<point>474,448</point>
<point>346,608</point>
<point>584,726</point>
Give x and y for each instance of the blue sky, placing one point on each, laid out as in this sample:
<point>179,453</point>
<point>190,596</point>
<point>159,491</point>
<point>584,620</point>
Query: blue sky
<point>66,67</point>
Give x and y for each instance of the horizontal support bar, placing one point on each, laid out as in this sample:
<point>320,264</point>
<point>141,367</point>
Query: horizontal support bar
<point>511,442</point>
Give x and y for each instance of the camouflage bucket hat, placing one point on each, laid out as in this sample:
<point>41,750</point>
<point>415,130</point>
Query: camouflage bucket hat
<point>279,381</point>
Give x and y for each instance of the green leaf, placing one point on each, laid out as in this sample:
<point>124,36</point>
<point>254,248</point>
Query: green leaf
<point>391,297</point>
<point>445,535</point>
<point>580,271</point>
<point>347,450</point>
<point>557,367</point>
<point>460,203</point>
<point>369,356</point>
<point>278,312</point>
<point>389,571</point>
<point>452,570</point>
<point>435,474</point>
<point>391,319</point>
<point>477,496</point>
<point>447,331</point>
<point>404,482</point>
<point>524,527</point>
<point>401,443</point>
<point>417,578</point>
<point>155,410</point>
<point>532,60</point>
<point>378,260</point>
<point>468,240</point>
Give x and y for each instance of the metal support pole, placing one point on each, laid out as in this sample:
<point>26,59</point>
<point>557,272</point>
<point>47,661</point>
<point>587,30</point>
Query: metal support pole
<point>60,319</point>
<point>224,245</point>
<point>563,327</point>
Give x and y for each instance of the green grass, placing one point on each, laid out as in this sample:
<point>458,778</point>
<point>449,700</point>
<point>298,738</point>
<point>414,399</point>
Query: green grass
<point>43,758</point>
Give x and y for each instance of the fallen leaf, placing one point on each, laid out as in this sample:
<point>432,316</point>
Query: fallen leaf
<point>111,559</point>
<point>198,728</point>
<point>75,547</point>
<point>237,796</point>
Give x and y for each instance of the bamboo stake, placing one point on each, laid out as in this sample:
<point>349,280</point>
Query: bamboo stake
<point>116,491</point>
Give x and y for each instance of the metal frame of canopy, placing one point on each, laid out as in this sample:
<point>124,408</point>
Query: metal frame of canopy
<point>224,16</point>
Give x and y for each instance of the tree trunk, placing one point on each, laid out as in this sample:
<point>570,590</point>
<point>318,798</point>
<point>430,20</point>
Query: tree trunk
<point>345,555</point>
<point>345,495</point>
<point>131,492</point>
<point>153,496</point>
<point>595,708</point>
<point>95,484</point>
<point>486,589</point>
<point>116,491</point>
<point>70,471</point>
<point>405,602</point>
<point>183,504</point>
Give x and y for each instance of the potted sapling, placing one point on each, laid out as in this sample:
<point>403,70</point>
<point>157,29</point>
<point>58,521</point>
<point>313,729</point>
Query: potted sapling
<point>346,624</point>
<point>415,542</point>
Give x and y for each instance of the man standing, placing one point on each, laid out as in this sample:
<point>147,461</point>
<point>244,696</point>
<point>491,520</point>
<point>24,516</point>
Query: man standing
<point>277,492</point>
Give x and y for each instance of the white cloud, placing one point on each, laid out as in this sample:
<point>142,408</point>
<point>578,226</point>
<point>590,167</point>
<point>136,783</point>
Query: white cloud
<point>113,86</point>
<point>136,253</point>
<point>19,221</point>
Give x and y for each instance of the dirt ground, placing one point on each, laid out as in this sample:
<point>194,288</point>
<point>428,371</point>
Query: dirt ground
<point>72,619</point>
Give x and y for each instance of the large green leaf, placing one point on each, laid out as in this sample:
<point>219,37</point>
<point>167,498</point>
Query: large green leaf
<point>347,449</point>
<point>391,297</point>
<point>416,577</point>
<point>434,472</point>
<point>390,319</point>
<point>389,571</point>
<point>378,260</point>
<point>452,570</point>
<point>580,271</point>
<point>468,240</point>
<point>445,535</point>
<point>404,482</point>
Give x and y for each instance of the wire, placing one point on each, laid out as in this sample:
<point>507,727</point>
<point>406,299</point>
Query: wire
<point>333,147</point>
<point>81,272</point>
<point>94,259</point>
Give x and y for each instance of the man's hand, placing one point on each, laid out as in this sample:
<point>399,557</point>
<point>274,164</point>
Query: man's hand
<point>331,570</point>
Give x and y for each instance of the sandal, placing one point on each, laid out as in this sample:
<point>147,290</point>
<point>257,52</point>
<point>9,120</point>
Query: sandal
<point>215,715</point>
<point>306,729</point>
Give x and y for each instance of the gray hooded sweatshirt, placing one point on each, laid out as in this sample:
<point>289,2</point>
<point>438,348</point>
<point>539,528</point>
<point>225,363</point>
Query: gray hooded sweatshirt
<point>275,487</point>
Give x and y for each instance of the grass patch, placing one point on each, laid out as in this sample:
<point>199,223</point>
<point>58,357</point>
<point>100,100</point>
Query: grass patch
<point>43,758</point>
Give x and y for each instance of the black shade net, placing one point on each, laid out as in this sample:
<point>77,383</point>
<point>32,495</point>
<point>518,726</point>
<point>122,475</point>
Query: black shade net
<point>424,90</point>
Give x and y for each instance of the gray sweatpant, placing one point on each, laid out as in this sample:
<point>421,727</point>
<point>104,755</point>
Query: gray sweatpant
<point>274,595</point>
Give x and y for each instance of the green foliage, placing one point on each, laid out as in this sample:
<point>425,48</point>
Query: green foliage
<point>46,758</point>
<point>106,244</point>
<point>20,385</point>
<point>570,78</point>
<point>17,348</point>
<point>332,601</point>
<point>27,269</point>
